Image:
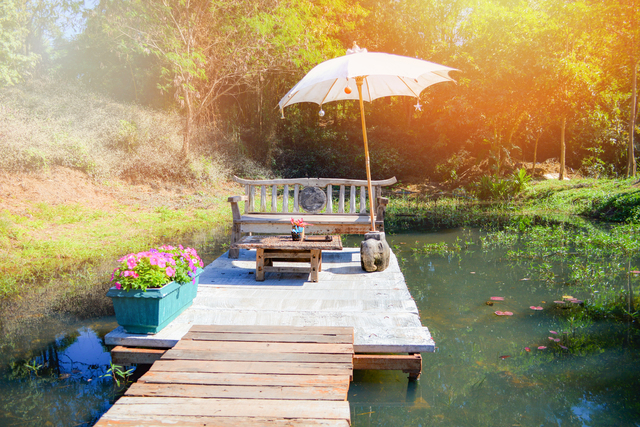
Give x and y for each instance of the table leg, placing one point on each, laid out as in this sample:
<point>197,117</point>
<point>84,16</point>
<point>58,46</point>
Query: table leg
<point>260,265</point>
<point>315,258</point>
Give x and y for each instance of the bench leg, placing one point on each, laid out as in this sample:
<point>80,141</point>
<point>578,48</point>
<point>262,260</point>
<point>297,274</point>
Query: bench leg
<point>260,265</point>
<point>235,236</point>
<point>315,261</point>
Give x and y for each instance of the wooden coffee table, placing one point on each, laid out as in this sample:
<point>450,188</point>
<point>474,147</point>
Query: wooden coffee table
<point>272,249</point>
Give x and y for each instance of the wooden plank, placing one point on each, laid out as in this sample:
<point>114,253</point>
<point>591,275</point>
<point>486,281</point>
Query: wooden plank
<point>352,199</point>
<point>129,356</point>
<point>411,363</point>
<point>274,198</point>
<point>174,354</point>
<point>285,200</point>
<point>244,367</point>
<point>172,406</point>
<point>286,243</point>
<point>276,337</point>
<point>341,200</point>
<point>125,420</point>
<point>288,255</point>
<point>252,199</point>
<point>314,182</point>
<point>239,391</point>
<point>216,378</point>
<point>306,331</point>
<point>265,347</point>
<point>363,199</point>
<point>296,193</point>
<point>329,208</point>
<point>263,198</point>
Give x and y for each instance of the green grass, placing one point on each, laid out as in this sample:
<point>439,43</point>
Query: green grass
<point>544,202</point>
<point>56,240</point>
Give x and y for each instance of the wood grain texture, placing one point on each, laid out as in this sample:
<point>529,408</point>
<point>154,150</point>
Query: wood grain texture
<point>212,375</point>
<point>297,392</point>
<point>125,420</point>
<point>203,407</point>
<point>378,306</point>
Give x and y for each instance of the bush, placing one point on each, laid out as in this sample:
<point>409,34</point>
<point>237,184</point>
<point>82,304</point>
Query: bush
<point>497,188</point>
<point>48,123</point>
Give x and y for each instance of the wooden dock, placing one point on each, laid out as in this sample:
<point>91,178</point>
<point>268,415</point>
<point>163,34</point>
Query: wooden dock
<point>244,376</point>
<point>378,306</point>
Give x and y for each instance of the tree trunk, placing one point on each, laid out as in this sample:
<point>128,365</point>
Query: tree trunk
<point>562,148</point>
<point>187,124</point>
<point>535,155</point>
<point>631,161</point>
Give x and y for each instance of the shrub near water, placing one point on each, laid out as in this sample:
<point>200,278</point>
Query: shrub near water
<point>52,123</point>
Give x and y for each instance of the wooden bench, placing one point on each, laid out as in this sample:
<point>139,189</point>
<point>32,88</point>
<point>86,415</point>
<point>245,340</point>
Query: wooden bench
<point>303,198</point>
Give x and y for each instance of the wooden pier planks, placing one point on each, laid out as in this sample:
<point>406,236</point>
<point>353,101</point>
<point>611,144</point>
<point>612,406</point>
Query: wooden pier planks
<point>377,305</point>
<point>245,375</point>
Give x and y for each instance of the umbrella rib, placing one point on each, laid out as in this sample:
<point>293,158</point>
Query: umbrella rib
<point>408,87</point>
<point>329,91</point>
<point>286,104</point>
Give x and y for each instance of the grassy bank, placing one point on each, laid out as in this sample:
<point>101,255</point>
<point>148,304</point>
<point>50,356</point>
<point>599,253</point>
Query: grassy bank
<point>47,241</point>
<point>615,201</point>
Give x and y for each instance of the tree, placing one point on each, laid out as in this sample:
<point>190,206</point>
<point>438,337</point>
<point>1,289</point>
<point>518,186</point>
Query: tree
<point>15,62</point>
<point>212,49</point>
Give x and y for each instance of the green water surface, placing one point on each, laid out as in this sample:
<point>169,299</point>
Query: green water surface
<point>480,375</point>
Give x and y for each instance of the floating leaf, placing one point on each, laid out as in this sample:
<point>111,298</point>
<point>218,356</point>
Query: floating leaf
<point>504,357</point>
<point>497,298</point>
<point>559,302</point>
<point>563,347</point>
<point>542,347</point>
<point>499,313</point>
<point>527,349</point>
<point>533,307</point>
<point>553,332</point>
<point>526,278</point>
<point>567,297</point>
<point>489,303</point>
<point>576,301</point>
<point>504,313</point>
<point>634,272</point>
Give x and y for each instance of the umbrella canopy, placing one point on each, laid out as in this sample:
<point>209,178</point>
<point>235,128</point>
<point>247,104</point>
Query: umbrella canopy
<point>366,76</point>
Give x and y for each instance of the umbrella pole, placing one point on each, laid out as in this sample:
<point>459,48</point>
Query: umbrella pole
<point>359,81</point>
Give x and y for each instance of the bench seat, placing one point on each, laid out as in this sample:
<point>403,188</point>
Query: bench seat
<point>280,223</point>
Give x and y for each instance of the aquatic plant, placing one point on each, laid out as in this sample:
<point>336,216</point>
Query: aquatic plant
<point>118,374</point>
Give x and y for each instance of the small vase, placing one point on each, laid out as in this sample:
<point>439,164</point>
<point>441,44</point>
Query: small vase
<point>297,233</point>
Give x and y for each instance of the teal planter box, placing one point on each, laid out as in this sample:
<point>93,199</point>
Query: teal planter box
<point>147,312</point>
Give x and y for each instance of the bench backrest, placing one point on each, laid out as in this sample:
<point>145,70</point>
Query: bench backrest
<point>280,190</point>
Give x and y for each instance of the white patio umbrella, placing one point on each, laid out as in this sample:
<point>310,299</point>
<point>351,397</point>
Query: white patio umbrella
<point>366,76</point>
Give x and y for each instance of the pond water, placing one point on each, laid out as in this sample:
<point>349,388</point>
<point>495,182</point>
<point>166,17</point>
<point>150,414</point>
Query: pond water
<point>488,370</point>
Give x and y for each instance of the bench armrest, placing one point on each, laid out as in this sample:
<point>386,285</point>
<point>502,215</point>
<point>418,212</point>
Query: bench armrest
<point>236,199</point>
<point>235,209</point>
<point>382,201</point>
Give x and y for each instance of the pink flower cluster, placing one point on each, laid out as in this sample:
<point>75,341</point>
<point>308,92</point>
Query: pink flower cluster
<point>156,267</point>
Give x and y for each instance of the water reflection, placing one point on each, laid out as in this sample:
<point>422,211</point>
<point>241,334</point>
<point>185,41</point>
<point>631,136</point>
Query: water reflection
<point>60,383</point>
<point>482,373</point>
